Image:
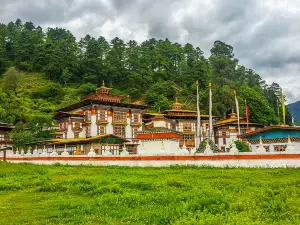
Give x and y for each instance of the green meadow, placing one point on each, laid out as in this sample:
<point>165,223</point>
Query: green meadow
<point>35,194</point>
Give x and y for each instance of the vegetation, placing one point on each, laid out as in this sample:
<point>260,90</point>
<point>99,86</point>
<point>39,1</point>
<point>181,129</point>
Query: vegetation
<point>41,71</point>
<point>241,146</point>
<point>294,108</point>
<point>33,194</point>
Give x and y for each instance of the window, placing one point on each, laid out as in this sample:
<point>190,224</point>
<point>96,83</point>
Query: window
<point>187,127</point>
<point>173,125</point>
<point>134,131</point>
<point>76,135</point>
<point>119,131</point>
<point>189,138</point>
<point>101,130</point>
<point>135,118</point>
<point>101,115</point>
<point>87,116</point>
<point>2,137</point>
<point>63,126</point>
<point>120,117</point>
<point>88,131</point>
<point>77,126</point>
<point>224,141</point>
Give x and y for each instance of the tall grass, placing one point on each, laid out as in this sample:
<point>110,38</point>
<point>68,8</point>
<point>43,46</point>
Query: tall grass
<point>33,194</point>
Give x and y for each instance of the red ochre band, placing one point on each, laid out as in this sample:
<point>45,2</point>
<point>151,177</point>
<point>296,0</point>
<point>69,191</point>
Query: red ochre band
<point>157,158</point>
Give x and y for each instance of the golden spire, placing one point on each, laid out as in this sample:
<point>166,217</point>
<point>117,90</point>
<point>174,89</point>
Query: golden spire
<point>260,140</point>
<point>124,145</point>
<point>289,139</point>
<point>176,99</point>
<point>103,84</point>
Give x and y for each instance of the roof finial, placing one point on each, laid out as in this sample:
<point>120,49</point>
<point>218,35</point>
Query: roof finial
<point>176,99</point>
<point>103,84</point>
<point>260,140</point>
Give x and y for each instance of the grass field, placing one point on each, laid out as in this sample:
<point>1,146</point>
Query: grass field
<point>32,194</point>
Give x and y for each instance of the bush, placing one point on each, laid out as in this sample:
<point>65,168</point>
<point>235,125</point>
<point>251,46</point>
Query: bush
<point>241,146</point>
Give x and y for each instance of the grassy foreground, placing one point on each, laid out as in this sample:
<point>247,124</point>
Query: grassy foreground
<point>32,194</point>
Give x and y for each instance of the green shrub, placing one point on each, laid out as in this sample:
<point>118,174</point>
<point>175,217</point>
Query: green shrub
<point>241,146</point>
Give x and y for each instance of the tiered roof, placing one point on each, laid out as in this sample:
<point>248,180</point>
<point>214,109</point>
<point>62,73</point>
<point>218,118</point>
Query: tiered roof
<point>102,96</point>
<point>177,113</point>
<point>233,120</point>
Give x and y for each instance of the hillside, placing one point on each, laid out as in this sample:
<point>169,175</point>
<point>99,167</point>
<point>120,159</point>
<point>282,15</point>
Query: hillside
<point>41,71</point>
<point>294,109</point>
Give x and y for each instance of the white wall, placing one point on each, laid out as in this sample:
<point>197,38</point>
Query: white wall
<point>109,127</point>
<point>271,163</point>
<point>128,130</point>
<point>70,133</point>
<point>154,147</point>
<point>94,127</point>
<point>159,123</point>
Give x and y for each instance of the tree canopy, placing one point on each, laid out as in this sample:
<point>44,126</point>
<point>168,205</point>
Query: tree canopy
<point>42,70</point>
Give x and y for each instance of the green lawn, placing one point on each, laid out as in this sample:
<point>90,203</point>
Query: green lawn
<point>32,194</point>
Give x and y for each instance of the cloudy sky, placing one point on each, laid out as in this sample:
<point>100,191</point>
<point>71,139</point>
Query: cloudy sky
<point>265,34</point>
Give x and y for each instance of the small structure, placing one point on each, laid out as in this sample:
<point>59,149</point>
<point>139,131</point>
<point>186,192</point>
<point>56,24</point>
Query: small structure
<point>183,150</point>
<point>92,151</point>
<point>226,130</point>
<point>260,148</point>
<point>208,150</point>
<point>290,147</point>
<point>233,149</point>
<point>124,151</point>
<point>274,137</point>
<point>203,146</point>
<point>181,120</point>
<point>101,145</point>
<point>159,140</point>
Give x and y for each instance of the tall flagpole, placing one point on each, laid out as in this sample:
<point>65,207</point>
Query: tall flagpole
<point>210,113</point>
<point>278,114</point>
<point>247,115</point>
<point>283,107</point>
<point>198,131</point>
<point>237,112</point>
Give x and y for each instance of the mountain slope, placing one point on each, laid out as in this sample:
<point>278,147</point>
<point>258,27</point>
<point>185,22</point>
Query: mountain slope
<point>294,108</point>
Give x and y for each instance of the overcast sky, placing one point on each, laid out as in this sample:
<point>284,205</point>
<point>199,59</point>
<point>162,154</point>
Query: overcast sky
<point>265,34</point>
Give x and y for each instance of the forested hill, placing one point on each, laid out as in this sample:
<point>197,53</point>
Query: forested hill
<point>42,70</point>
<point>294,109</point>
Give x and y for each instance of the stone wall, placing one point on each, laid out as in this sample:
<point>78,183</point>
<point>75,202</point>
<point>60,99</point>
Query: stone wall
<point>267,160</point>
